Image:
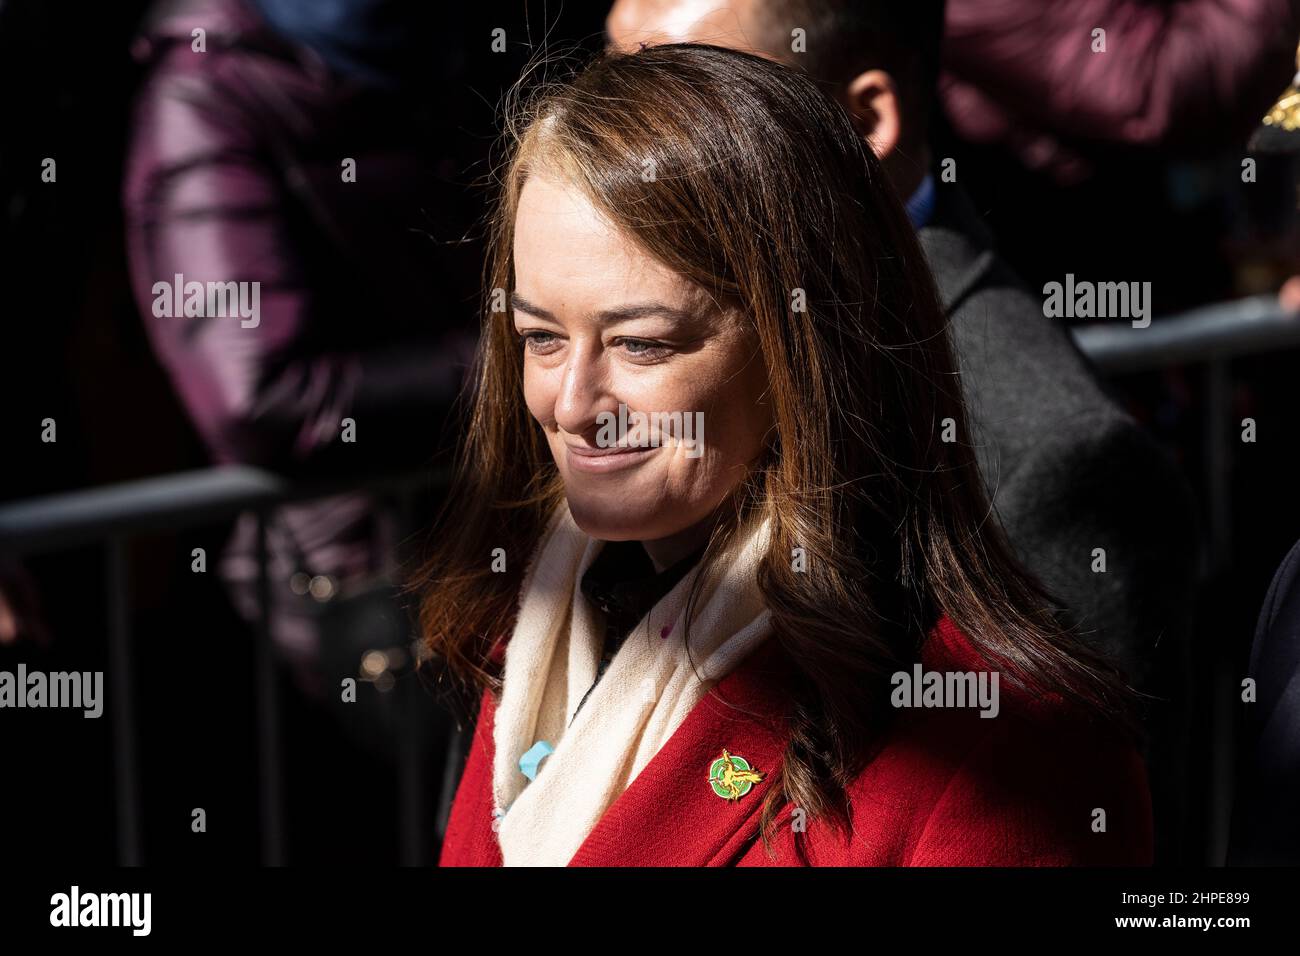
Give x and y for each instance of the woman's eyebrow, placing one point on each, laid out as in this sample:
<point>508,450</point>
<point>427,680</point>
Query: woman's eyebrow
<point>620,313</point>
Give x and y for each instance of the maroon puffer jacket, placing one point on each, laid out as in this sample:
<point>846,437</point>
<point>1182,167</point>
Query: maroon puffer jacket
<point>235,174</point>
<point>1178,74</point>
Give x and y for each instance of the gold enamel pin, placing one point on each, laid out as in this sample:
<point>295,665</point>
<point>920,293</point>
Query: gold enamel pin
<point>732,777</point>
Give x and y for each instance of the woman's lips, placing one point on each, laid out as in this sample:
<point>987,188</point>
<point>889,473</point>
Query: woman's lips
<point>601,460</point>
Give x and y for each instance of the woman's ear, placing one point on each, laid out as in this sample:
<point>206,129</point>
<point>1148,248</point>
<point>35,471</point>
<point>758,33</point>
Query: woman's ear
<point>872,100</point>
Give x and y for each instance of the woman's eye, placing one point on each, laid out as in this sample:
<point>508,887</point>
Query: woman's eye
<point>641,348</point>
<point>541,342</point>
<point>538,342</point>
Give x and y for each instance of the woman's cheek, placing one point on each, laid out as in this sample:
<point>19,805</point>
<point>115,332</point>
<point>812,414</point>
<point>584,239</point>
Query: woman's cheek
<point>539,397</point>
<point>677,391</point>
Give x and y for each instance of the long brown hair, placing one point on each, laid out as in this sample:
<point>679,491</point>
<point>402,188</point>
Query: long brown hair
<point>764,195</point>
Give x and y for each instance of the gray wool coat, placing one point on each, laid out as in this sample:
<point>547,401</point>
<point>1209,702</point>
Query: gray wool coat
<point>1067,469</point>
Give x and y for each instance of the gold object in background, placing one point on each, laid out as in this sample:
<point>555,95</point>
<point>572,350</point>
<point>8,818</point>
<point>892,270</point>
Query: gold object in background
<point>1286,111</point>
<point>1279,132</point>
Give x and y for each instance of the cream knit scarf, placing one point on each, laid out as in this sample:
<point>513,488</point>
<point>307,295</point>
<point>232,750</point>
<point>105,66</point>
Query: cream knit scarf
<point>643,697</point>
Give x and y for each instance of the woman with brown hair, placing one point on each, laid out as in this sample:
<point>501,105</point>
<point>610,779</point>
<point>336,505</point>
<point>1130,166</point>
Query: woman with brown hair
<point>718,562</point>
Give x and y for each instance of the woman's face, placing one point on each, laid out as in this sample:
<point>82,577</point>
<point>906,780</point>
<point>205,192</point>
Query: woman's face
<point>604,324</point>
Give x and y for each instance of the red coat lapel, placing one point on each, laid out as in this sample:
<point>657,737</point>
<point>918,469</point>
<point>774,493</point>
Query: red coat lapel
<point>670,815</point>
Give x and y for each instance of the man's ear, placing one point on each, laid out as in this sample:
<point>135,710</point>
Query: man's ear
<point>872,101</point>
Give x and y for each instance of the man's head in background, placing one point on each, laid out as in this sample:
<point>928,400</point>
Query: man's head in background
<point>879,58</point>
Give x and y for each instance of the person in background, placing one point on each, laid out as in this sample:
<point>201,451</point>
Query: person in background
<point>1265,826</point>
<point>284,147</point>
<point>1126,119</point>
<point>1034,78</point>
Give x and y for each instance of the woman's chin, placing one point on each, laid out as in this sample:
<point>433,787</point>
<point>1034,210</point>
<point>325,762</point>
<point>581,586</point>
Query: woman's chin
<point>611,518</point>
<point>607,522</point>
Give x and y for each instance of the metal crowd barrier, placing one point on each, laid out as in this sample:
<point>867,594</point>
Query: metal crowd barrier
<point>1213,333</point>
<point>111,515</point>
<point>1211,336</point>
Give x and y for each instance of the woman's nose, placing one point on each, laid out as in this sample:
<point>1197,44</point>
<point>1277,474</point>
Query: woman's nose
<point>584,393</point>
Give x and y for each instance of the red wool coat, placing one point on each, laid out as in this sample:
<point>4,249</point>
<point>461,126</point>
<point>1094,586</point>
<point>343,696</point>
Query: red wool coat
<point>949,788</point>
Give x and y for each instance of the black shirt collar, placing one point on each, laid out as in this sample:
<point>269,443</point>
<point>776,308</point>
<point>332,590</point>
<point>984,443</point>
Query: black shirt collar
<point>622,581</point>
